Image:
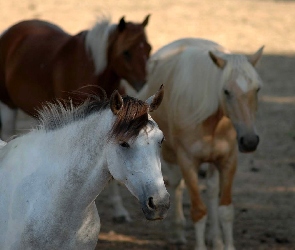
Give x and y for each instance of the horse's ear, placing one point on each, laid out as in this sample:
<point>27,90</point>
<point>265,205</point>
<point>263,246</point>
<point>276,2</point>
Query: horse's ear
<point>255,58</point>
<point>155,100</point>
<point>116,102</point>
<point>146,20</point>
<point>122,24</point>
<point>220,62</point>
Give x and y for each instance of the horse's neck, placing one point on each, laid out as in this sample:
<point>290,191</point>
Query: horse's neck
<point>79,159</point>
<point>90,160</point>
<point>109,81</point>
<point>212,122</point>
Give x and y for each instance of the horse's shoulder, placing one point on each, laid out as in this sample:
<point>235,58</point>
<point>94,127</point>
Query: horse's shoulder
<point>73,50</point>
<point>67,46</point>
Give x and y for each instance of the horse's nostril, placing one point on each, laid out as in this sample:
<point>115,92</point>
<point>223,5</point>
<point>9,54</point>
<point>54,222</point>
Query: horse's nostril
<point>254,140</point>
<point>151,203</point>
<point>242,140</point>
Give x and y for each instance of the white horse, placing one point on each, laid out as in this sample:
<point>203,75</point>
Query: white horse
<point>207,114</point>
<point>50,177</point>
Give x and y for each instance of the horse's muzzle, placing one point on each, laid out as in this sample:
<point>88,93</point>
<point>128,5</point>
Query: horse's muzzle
<point>248,143</point>
<point>156,208</point>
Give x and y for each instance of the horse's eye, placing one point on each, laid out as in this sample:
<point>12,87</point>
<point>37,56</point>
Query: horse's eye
<point>124,145</point>
<point>226,92</point>
<point>127,55</point>
<point>163,139</point>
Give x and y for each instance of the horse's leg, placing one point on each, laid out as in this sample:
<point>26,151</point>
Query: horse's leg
<point>8,121</point>
<point>226,209</point>
<point>214,235</point>
<point>120,214</point>
<point>175,185</point>
<point>175,188</point>
<point>198,209</point>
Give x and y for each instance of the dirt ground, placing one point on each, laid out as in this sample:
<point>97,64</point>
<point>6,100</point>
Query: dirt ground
<point>264,188</point>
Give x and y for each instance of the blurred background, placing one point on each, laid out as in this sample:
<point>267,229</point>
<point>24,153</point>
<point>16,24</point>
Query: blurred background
<point>239,25</point>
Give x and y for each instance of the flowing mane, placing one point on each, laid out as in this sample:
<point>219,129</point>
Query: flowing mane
<point>97,42</point>
<point>134,116</point>
<point>202,98</point>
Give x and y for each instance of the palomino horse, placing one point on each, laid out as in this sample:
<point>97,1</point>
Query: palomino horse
<point>40,62</point>
<point>207,114</point>
<point>50,177</point>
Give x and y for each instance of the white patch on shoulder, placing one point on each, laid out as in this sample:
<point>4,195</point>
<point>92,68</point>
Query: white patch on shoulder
<point>242,83</point>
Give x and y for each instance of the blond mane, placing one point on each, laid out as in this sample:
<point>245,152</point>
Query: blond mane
<point>193,83</point>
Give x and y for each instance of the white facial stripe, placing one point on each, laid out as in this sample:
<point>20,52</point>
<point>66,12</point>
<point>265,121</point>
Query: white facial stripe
<point>242,83</point>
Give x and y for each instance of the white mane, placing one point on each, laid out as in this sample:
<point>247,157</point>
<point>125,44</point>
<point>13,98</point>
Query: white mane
<point>97,42</point>
<point>186,66</point>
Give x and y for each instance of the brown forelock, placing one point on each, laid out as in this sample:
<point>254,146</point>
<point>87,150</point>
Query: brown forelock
<point>130,120</point>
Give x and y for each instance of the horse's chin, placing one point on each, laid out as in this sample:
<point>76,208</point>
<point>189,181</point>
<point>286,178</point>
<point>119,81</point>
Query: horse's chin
<point>153,216</point>
<point>245,150</point>
<point>137,85</point>
<point>158,210</point>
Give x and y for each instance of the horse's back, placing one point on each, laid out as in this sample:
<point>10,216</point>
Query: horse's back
<point>188,56</point>
<point>29,53</point>
<point>180,45</point>
<point>30,35</point>
<point>8,208</point>
<point>2,144</point>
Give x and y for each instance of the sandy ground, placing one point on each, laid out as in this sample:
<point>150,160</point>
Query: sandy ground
<point>264,188</point>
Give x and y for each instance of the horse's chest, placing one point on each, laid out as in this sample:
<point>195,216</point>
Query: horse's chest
<point>57,233</point>
<point>209,150</point>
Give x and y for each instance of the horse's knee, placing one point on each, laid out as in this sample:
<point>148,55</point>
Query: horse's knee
<point>198,213</point>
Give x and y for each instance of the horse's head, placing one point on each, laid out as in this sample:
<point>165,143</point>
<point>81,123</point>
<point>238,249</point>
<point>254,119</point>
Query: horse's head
<point>133,156</point>
<point>129,51</point>
<point>239,91</point>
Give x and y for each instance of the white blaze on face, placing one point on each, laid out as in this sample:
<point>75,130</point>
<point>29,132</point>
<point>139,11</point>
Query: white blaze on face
<point>242,83</point>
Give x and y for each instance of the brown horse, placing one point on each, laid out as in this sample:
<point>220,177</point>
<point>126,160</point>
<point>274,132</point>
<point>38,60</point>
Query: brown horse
<point>40,62</point>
